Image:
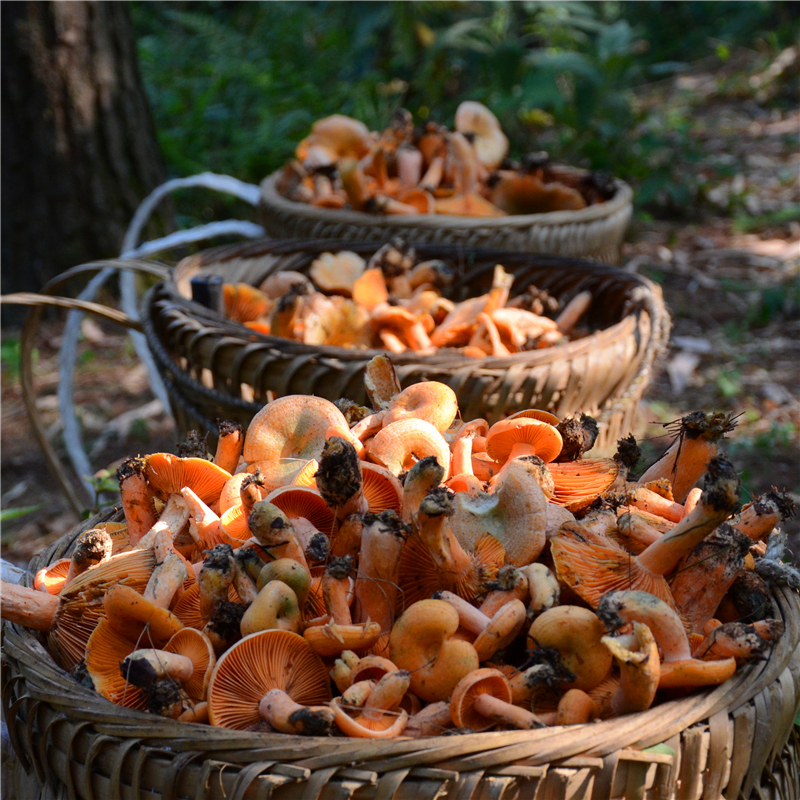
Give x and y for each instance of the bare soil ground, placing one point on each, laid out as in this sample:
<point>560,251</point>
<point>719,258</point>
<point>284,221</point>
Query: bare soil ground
<point>734,298</point>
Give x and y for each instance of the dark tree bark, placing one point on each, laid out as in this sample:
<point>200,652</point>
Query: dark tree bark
<point>79,151</point>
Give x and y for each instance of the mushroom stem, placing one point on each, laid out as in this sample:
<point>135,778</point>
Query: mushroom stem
<point>336,590</point>
<point>204,524</point>
<point>692,673</point>
<point>272,528</point>
<point>142,667</point>
<point>695,444</point>
<point>286,716</point>
<point>759,517</point>
<point>136,498</point>
<point>28,607</point>
<point>637,658</point>
<point>425,475</point>
<point>648,500</point>
<point>382,540</point>
<point>91,547</point>
<point>507,713</point>
<point>339,478</point>
<point>617,608</point>
<point>719,499</point>
<point>573,311</point>
<point>215,578</point>
<point>167,578</point>
<point>229,446</point>
<point>174,516</point>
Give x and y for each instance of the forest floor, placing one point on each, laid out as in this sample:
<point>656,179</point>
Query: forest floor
<point>729,270</point>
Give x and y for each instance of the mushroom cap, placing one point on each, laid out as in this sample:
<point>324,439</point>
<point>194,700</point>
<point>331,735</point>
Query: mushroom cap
<point>258,663</point>
<point>385,726</point>
<point>337,272</point>
<point>51,579</point>
<point>537,414</point>
<point>422,642</point>
<point>490,143</point>
<point>137,619</point>
<point>579,483</point>
<point>577,634</point>
<point>187,609</point>
<point>431,401</point>
<point>382,490</point>
<point>543,437</point>
<point>81,606</point>
<point>105,651</point>
<point>340,135</point>
<point>197,646</point>
<point>167,474</point>
<point>302,501</point>
<point>371,667</point>
<point>291,427</point>
<point>245,303</point>
<point>478,682</point>
<point>399,445</point>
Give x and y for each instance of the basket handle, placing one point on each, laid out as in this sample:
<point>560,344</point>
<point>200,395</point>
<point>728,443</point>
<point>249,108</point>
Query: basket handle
<point>78,500</point>
<point>129,299</point>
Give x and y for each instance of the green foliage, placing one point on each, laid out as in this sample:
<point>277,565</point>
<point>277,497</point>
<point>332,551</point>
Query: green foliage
<point>11,356</point>
<point>235,86</point>
<point>8,514</point>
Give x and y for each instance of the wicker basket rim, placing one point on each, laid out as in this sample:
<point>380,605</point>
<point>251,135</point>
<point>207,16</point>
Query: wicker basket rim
<point>681,712</point>
<point>593,272</point>
<point>622,198</point>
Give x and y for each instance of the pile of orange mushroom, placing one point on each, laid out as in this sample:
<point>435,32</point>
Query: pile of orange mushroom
<point>394,302</point>
<point>431,170</point>
<point>394,571</point>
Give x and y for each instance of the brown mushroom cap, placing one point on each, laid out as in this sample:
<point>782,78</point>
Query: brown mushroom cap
<point>51,579</point>
<point>167,474</point>
<point>258,663</point>
<point>543,439</point>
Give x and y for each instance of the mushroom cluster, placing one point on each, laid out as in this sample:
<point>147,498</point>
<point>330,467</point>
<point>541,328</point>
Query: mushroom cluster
<point>395,571</point>
<point>408,169</point>
<point>394,302</point>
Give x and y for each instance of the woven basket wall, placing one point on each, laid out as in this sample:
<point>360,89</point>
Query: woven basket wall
<point>736,741</point>
<point>204,358</point>
<point>594,232</point>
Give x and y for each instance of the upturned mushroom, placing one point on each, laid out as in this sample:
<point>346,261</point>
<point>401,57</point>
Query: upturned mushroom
<point>273,676</point>
<point>636,655</point>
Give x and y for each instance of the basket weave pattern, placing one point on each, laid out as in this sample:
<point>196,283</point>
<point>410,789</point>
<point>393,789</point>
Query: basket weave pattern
<point>204,358</point>
<point>594,232</point>
<point>736,741</point>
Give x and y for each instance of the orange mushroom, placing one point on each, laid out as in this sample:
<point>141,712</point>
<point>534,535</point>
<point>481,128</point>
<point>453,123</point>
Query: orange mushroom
<point>240,693</point>
<point>482,699</point>
<point>636,655</point>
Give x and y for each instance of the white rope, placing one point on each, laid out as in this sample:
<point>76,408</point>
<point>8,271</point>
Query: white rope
<point>73,440</point>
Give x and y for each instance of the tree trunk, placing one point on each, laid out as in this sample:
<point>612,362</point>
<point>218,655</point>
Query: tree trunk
<point>79,151</point>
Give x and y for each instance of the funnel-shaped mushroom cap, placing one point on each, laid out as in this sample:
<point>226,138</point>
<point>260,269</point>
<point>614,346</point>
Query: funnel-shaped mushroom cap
<point>462,703</point>
<point>105,651</point>
<point>137,619</point>
<point>255,665</point>
<point>579,483</point>
<point>291,427</point>
<point>196,646</point>
<point>400,445</point>
<point>488,139</point>
<point>167,474</point>
<point>51,579</point>
<point>523,436</point>
<point>385,726</point>
<point>81,606</point>
<point>382,490</point>
<point>537,414</point>
<point>302,501</point>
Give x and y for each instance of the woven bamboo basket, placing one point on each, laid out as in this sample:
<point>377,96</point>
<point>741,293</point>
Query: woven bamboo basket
<point>214,368</point>
<point>596,231</point>
<point>736,741</point>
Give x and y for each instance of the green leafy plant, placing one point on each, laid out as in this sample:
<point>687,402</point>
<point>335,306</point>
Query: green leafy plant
<point>8,514</point>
